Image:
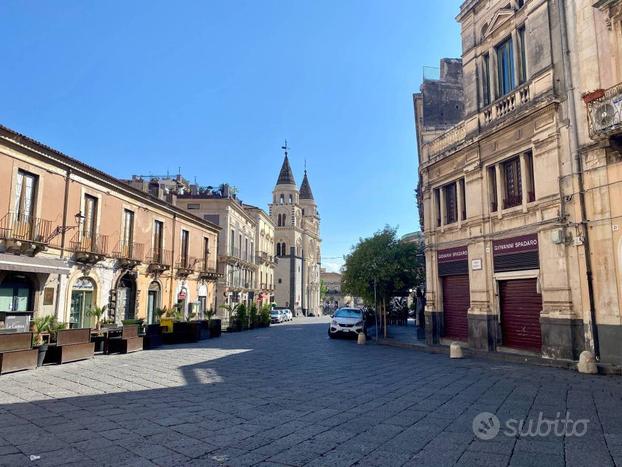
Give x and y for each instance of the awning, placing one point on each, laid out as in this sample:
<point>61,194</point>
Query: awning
<point>33,264</point>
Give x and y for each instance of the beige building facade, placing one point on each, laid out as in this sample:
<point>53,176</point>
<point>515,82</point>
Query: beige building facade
<point>264,255</point>
<point>506,214</point>
<point>237,263</point>
<point>73,237</point>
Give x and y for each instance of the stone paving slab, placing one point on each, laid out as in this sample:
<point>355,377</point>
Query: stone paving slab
<point>288,395</point>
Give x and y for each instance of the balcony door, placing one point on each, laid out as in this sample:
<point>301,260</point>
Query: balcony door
<point>89,232</point>
<point>24,207</point>
<point>128,234</point>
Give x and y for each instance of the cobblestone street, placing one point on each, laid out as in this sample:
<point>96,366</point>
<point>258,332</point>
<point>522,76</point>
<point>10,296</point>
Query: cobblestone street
<point>288,395</point>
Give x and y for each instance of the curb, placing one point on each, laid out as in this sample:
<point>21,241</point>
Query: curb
<point>603,369</point>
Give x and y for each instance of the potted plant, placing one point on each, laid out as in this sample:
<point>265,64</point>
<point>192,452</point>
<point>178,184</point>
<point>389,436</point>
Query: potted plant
<point>241,318</point>
<point>264,316</point>
<point>214,325</point>
<point>231,313</point>
<point>40,329</point>
<point>97,313</point>
<point>253,317</point>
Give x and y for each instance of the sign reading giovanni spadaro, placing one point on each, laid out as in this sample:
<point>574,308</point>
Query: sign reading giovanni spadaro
<point>516,253</point>
<point>453,261</point>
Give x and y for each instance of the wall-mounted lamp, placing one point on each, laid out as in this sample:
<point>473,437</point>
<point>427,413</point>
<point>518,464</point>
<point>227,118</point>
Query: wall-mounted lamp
<point>79,217</point>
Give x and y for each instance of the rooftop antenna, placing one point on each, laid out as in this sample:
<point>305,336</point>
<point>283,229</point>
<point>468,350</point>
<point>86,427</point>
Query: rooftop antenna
<point>285,147</point>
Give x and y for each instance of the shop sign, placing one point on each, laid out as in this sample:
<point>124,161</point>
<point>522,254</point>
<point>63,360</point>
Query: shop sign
<point>449,255</point>
<point>514,245</point>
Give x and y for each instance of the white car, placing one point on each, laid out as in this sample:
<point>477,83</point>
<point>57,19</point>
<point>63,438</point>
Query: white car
<point>288,314</point>
<point>277,316</point>
<point>348,322</point>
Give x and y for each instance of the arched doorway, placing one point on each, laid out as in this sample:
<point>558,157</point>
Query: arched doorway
<point>153,301</point>
<point>126,297</point>
<point>82,300</point>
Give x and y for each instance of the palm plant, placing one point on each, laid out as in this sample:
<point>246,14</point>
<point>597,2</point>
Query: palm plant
<point>40,327</point>
<point>162,311</point>
<point>209,314</point>
<point>97,312</point>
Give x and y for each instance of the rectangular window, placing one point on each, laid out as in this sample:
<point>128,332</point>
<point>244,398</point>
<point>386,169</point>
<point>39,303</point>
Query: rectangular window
<point>505,67</point>
<point>239,253</point>
<point>492,188</point>
<point>193,206</point>
<point>90,218</point>
<point>451,203</point>
<point>205,252</point>
<point>128,233</point>
<point>522,62</point>
<point>486,79</point>
<point>232,246</point>
<point>185,240</point>
<point>463,198</point>
<point>158,239</point>
<point>437,206</point>
<point>531,188</point>
<point>25,195</point>
<point>512,180</point>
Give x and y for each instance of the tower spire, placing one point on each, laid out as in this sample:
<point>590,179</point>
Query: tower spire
<point>286,176</point>
<point>305,187</point>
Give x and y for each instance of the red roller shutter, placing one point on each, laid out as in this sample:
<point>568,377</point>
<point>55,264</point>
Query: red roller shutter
<point>456,302</point>
<point>521,305</point>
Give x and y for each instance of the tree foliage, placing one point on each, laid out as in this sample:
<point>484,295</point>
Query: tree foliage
<point>394,266</point>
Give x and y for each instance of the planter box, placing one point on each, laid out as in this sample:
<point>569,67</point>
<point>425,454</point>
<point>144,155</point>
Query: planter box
<point>99,343</point>
<point>203,326</point>
<point>215,328</point>
<point>186,332</point>
<point>152,337</point>
<point>167,323</point>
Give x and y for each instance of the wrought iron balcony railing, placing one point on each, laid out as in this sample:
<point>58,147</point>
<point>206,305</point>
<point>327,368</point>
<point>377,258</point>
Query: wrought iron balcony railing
<point>185,265</point>
<point>158,256</point>
<point>131,251</point>
<point>25,227</point>
<point>89,247</point>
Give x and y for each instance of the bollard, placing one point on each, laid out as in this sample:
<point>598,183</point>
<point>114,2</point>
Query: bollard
<point>361,339</point>
<point>455,351</point>
<point>587,363</point>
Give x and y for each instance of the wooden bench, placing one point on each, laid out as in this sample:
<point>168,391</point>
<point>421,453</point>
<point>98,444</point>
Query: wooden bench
<point>128,341</point>
<point>16,352</point>
<point>72,345</point>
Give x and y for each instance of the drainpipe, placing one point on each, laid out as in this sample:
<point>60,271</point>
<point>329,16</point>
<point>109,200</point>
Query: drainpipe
<point>62,238</point>
<point>577,168</point>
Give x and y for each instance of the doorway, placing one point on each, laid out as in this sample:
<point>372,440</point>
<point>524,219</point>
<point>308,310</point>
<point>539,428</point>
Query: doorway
<point>126,298</point>
<point>153,302</point>
<point>82,300</point>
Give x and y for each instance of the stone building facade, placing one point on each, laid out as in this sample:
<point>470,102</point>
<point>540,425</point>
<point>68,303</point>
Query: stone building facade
<point>297,244</point>
<point>506,217</point>
<point>73,237</point>
<point>264,255</point>
<point>237,263</point>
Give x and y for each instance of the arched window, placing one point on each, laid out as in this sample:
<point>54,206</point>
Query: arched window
<point>282,200</point>
<point>283,249</point>
<point>291,200</point>
<point>284,219</point>
<point>278,249</point>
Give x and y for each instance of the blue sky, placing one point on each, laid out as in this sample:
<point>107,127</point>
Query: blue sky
<point>213,87</point>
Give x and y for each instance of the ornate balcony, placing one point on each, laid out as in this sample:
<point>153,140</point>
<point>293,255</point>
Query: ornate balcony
<point>450,139</point>
<point>89,248</point>
<point>604,112</point>
<point>185,266</point>
<point>24,234</point>
<point>159,260</point>
<point>130,255</point>
<point>208,272</point>
<point>506,104</point>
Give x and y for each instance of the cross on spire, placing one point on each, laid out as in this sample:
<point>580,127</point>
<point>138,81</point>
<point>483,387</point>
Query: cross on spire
<point>285,147</point>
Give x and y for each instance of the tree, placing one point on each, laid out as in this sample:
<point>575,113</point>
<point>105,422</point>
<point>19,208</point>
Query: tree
<point>383,266</point>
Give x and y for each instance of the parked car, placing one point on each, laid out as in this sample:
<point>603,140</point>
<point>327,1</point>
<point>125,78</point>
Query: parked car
<point>347,322</point>
<point>288,314</point>
<point>276,316</point>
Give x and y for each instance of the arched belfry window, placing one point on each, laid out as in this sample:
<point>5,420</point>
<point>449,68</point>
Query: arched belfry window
<point>278,249</point>
<point>282,199</point>
<point>291,199</point>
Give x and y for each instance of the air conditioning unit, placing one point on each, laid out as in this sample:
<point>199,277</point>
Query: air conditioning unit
<point>607,114</point>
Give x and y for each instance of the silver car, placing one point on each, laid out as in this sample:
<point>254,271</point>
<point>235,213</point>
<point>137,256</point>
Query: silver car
<point>347,322</point>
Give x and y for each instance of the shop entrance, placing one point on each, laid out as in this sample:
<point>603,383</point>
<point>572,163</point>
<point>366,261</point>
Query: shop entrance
<point>521,305</point>
<point>82,300</point>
